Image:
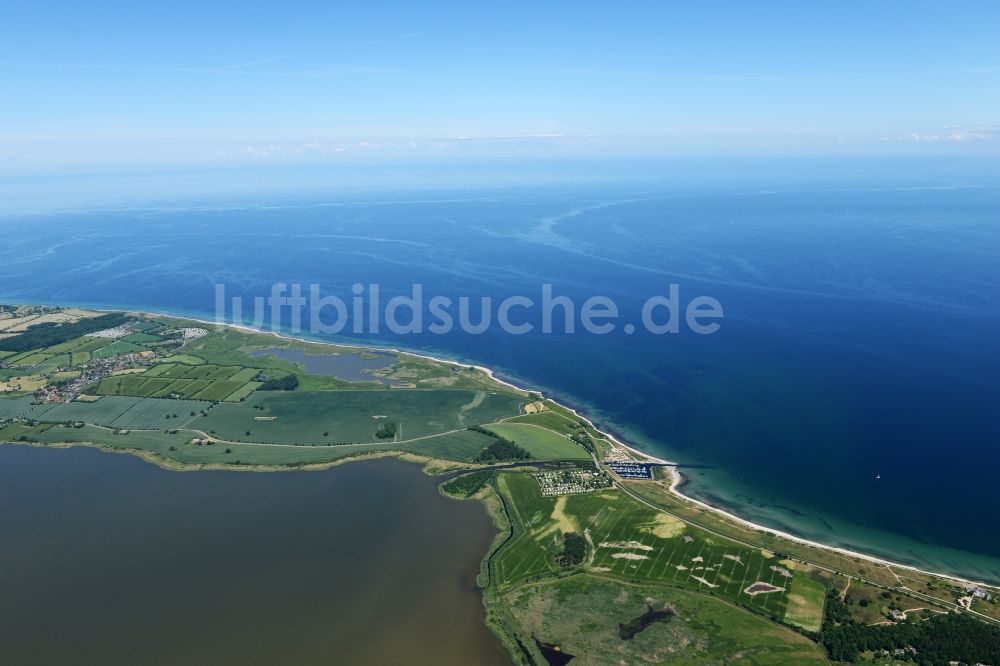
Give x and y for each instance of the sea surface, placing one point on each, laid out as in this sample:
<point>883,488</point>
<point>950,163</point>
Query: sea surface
<point>850,395</point>
<point>108,559</point>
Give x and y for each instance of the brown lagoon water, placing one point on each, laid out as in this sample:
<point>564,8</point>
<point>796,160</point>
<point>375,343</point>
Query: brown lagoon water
<point>106,559</point>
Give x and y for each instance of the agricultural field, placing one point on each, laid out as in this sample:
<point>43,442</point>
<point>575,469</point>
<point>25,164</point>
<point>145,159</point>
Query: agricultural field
<point>14,407</point>
<point>116,348</point>
<point>540,442</point>
<point>549,419</point>
<point>18,382</point>
<point>16,319</point>
<point>634,542</point>
<point>463,445</point>
<point>123,412</point>
<point>193,382</point>
<point>583,615</point>
<point>805,602</point>
<point>102,412</point>
<point>243,392</point>
<point>302,417</point>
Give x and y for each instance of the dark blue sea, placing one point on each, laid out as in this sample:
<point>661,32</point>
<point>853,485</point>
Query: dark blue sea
<point>851,394</point>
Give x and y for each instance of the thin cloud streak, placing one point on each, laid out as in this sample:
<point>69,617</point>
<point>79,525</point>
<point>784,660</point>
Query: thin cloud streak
<point>337,72</point>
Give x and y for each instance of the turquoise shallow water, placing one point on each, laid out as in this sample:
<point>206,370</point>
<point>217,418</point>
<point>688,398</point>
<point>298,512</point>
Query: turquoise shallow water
<point>859,340</point>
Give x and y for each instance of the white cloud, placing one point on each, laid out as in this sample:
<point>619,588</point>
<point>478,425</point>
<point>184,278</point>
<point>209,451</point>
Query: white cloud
<point>950,134</point>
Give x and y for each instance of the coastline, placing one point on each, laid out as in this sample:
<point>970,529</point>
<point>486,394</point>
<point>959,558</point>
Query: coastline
<point>677,479</point>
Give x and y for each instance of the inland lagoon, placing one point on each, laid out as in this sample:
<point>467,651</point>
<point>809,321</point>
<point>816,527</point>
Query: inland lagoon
<point>109,559</point>
<point>347,366</point>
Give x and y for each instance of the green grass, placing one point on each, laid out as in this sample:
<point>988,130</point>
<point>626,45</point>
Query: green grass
<point>463,445</point>
<point>81,344</point>
<point>174,371</point>
<point>217,390</point>
<point>101,412</point>
<point>192,382</point>
<point>52,362</point>
<point>185,359</point>
<point>805,603</point>
<point>245,375</point>
<point>549,419</point>
<point>10,408</point>
<point>140,338</point>
<point>160,369</point>
<point>301,417</point>
<point>541,443</point>
<point>161,387</point>
<point>153,413</point>
<point>243,391</point>
<point>640,544</point>
<point>117,348</point>
<point>29,359</point>
<point>190,388</point>
<point>582,615</point>
<point>122,412</point>
<point>115,385</point>
<point>467,485</point>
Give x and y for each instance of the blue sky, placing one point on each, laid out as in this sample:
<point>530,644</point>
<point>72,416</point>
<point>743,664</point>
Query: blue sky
<point>129,83</point>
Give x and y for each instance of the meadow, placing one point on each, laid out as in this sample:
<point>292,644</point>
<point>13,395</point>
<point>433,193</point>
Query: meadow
<point>582,615</point>
<point>540,442</point>
<point>634,542</point>
<point>123,412</point>
<point>319,417</point>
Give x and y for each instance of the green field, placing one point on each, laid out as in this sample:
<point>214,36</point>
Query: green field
<point>541,443</point>
<point>192,382</point>
<point>10,408</point>
<point>582,615</point>
<point>79,358</point>
<point>243,392</point>
<point>549,419</point>
<point>805,603</point>
<point>117,348</point>
<point>302,417</point>
<point>101,412</point>
<point>84,344</point>
<point>141,338</point>
<point>183,358</point>
<point>28,359</point>
<point>156,413</point>
<point>122,412</point>
<point>634,542</point>
<point>463,445</point>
